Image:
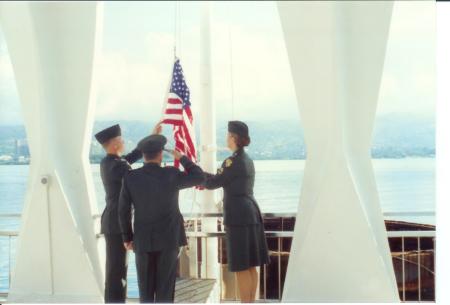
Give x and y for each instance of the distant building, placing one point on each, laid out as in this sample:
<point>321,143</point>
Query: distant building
<point>23,159</point>
<point>5,158</point>
<point>21,150</point>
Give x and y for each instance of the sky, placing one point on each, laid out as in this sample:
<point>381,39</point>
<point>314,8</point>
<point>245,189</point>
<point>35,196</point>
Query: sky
<point>250,69</point>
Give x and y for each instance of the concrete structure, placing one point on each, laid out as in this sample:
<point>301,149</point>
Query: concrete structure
<point>443,149</point>
<point>52,48</point>
<point>336,51</point>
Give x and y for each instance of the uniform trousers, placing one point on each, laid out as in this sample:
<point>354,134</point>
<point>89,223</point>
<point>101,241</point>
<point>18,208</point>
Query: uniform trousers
<point>116,269</point>
<point>156,273</point>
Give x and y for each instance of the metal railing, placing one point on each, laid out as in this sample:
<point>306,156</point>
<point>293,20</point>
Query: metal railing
<point>9,235</point>
<point>268,291</point>
<point>413,255</point>
<point>415,275</point>
<point>278,235</point>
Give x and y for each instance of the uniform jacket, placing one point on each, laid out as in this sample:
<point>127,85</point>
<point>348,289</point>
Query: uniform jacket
<point>112,170</point>
<point>237,177</point>
<point>152,191</point>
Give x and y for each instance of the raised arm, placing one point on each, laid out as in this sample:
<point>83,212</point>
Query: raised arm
<point>133,156</point>
<point>193,175</point>
<point>224,175</point>
<point>136,154</point>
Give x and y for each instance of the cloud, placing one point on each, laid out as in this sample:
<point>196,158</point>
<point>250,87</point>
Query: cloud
<point>408,84</point>
<point>10,109</point>
<point>137,56</point>
<point>132,89</point>
<point>132,86</point>
<point>262,85</point>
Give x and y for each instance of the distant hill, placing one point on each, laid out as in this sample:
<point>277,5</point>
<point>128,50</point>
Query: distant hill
<point>404,131</point>
<point>395,136</point>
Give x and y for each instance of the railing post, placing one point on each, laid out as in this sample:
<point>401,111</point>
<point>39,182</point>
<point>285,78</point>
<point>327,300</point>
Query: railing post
<point>265,282</point>
<point>419,277</point>
<point>220,266</point>
<point>193,256</point>
<point>279,268</point>
<point>434,266</point>
<point>9,262</point>
<point>403,270</point>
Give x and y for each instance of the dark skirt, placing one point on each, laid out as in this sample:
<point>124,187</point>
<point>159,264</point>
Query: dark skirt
<point>246,247</point>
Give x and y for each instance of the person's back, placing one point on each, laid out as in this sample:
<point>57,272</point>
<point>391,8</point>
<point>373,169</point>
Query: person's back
<point>237,177</point>
<point>112,170</point>
<point>154,190</point>
<point>158,229</point>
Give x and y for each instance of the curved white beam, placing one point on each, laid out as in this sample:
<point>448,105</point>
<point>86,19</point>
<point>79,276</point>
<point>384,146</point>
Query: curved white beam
<point>340,251</point>
<point>52,48</point>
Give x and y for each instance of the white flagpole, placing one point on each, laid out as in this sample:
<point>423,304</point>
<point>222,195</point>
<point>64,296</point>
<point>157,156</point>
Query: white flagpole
<point>208,147</point>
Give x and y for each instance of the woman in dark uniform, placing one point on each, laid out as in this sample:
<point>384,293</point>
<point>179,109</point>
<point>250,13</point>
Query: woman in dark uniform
<point>245,239</point>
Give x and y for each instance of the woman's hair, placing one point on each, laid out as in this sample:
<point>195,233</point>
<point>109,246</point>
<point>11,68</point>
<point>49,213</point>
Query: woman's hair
<point>241,141</point>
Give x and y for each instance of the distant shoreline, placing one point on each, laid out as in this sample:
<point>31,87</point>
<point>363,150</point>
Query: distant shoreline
<point>97,161</point>
<point>394,137</point>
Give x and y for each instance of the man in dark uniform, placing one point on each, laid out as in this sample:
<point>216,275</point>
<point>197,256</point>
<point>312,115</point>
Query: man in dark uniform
<point>112,168</point>
<point>158,229</point>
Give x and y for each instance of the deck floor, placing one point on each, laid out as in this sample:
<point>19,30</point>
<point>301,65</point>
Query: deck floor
<point>187,290</point>
<point>193,290</point>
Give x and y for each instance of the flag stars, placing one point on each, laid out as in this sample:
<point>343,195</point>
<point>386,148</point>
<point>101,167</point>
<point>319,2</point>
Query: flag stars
<point>179,86</point>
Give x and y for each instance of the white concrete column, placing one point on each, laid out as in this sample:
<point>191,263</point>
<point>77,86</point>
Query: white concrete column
<point>52,46</point>
<point>442,11</point>
<point>210,266</point>
<point>340,251</point>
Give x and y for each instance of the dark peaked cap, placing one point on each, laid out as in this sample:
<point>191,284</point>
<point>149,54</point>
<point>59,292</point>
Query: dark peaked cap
<point>152,143</point>
<point>108,133</point>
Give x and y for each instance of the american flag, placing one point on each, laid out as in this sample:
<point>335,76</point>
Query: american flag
<point>177,112</point>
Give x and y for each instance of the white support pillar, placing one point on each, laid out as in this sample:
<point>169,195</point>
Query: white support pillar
<point>210,266</point>
<point>442,11</point>
<point>52,46</point>
<point>340,251</point>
